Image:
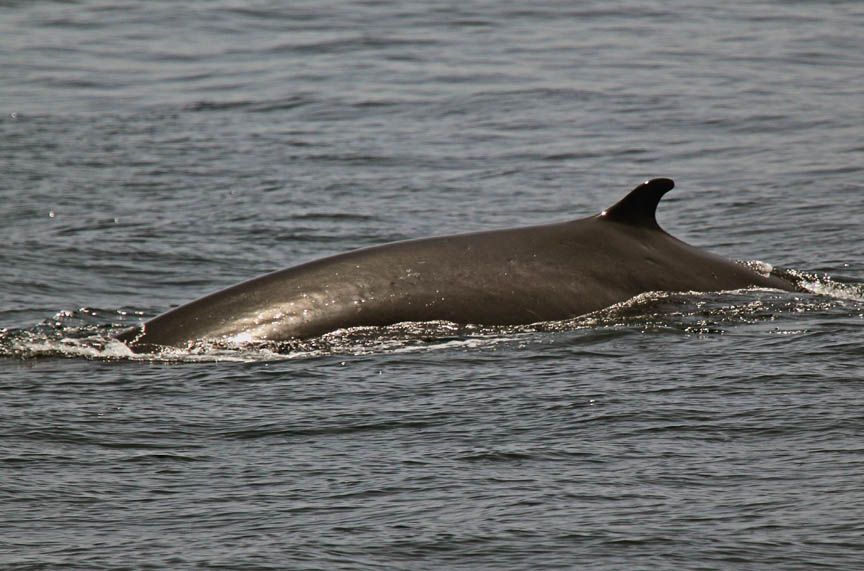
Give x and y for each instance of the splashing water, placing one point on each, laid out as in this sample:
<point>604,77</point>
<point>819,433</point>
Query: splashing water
<point>89,333</point>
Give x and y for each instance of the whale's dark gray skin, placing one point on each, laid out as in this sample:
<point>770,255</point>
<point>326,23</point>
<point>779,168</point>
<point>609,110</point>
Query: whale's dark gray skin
<point>500,277</point>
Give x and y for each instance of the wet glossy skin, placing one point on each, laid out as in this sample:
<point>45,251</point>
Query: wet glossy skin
<point>516,276</point>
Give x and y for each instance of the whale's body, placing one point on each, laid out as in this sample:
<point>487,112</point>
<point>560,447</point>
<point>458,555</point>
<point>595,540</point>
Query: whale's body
<point>500,277</point>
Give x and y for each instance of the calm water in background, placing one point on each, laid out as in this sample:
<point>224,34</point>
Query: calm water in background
<point>154,152</point>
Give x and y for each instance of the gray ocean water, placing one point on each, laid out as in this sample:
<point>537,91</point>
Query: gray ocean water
<point>153,152</point>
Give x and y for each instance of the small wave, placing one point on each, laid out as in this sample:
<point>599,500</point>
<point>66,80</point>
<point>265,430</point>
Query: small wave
<point>826,285</point>
<point>217,105</point>
<point>332,216</point>
<point>486,456</point>
<point>81,333</point>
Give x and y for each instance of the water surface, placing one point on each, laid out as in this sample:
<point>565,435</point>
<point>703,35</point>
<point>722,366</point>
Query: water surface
<point>156,152</point>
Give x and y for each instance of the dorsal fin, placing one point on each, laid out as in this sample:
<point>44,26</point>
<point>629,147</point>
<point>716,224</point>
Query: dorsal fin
<point>638,208</point>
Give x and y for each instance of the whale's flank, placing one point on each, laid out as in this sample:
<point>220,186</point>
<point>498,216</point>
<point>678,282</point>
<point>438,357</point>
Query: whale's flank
<point>499,277</point>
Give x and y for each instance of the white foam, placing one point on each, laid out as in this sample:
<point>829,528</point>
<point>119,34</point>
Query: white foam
<point>827,287</point>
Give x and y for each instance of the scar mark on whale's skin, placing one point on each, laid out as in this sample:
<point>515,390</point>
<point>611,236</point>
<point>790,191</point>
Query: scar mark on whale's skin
<point>499,277</point>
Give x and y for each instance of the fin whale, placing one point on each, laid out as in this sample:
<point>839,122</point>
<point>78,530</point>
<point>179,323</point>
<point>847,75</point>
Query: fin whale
<point>498,277</point>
